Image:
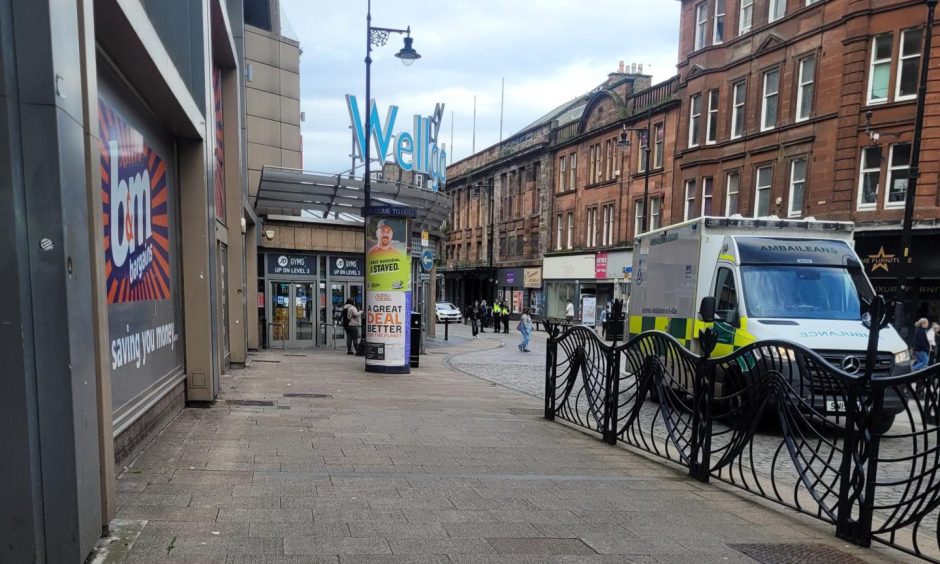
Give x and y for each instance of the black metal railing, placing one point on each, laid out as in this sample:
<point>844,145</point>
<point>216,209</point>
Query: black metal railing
<point>860,451</point>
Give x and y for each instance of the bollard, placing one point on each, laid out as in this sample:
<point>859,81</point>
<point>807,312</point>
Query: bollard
<point>446,324</point>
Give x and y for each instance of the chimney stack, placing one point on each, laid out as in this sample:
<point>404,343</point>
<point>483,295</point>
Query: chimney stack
<point>632,68</point>
<point>620,68</point>
<point>639,68</point>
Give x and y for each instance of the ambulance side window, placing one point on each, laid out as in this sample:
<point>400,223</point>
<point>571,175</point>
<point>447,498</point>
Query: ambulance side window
<point>726,297</point>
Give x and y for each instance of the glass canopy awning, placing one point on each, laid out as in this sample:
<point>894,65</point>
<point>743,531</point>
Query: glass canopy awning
<point>286,191</point>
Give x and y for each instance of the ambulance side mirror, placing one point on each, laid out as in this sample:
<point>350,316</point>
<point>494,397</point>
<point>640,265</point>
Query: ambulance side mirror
<point>707,309</point>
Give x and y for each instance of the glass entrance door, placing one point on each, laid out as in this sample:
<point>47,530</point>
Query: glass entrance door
<point>304,301</point>
<point>279,325</point>
<point>293,314</point>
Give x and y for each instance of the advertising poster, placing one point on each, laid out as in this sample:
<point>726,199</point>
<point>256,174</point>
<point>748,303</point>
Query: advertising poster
<point>589,310</point>
<point>139,232</point>
<point>517,301</point>
<point>388,295</point>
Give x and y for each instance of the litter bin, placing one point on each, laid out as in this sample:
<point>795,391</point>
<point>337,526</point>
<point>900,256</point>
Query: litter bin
<point>415,339</point>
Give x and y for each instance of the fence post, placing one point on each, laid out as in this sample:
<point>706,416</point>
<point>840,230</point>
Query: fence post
<point>703,395</point>
<point>612,391</point>
<point>551,357</point>
<point>859,467</point>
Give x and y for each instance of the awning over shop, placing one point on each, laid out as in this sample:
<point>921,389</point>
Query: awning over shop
<point>282,190</point>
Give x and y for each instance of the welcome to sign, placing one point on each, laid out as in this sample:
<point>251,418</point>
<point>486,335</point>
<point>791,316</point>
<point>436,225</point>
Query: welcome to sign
<point>417,151</point>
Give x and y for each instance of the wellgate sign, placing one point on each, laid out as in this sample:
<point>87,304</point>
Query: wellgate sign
<point>416,151</point>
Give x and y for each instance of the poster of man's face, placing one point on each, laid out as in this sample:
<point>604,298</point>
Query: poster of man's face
<point>383,233</point>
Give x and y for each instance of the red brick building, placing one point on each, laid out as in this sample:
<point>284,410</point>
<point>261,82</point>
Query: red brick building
<point>502,199</point>
<point>598,189</point>
<point>775,95</point>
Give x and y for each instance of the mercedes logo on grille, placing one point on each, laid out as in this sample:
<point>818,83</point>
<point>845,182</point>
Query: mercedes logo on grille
<point>851,364</point>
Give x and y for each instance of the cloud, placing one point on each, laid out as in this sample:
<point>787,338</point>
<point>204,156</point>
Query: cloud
<point>548,51</point>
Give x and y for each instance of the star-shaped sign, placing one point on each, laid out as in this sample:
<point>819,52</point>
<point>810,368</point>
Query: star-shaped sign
<point>881,260</point>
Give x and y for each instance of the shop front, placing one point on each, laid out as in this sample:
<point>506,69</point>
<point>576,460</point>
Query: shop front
<point>881,255</point>
<point>568,278</point>
<point>304,297</point>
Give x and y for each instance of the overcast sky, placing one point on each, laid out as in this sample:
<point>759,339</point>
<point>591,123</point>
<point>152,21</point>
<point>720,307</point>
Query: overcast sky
<point>548,51</point>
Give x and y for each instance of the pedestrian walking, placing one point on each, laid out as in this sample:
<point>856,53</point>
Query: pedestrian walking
<point>352,320</point>
<point>604,314</point>
<point>484,313</point>
<point>525,327</point>
<point>921,344</point>
<point>932,341</point>
<point>497,315</point>
<point>506,313</point>
<point>569,311</point>
<point>473,314</point>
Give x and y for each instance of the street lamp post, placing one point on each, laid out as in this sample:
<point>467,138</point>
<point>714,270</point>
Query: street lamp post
<point>903,292</point>
<point>644,135</point>
<point>376,37</point>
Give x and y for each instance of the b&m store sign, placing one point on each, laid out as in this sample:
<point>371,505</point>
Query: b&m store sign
<point>134,194</point>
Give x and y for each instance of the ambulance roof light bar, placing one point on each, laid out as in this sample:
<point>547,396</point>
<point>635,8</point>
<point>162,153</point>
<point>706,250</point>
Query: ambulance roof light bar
<point>737,220</point>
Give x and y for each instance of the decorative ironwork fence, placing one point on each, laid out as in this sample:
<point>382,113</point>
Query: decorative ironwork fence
<point>860,451</point>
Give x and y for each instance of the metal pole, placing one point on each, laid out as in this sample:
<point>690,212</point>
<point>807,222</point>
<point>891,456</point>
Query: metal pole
<point>646,174</point>
<point>903,293</point>
<point>366,181</point>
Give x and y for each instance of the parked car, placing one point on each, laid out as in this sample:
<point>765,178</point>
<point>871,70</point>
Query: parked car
<point>448,311</point>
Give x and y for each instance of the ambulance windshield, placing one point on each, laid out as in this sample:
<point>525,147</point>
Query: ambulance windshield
<point>804,292</point>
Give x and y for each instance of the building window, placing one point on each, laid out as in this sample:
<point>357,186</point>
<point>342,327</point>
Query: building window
<point>711,125</point>
<point>559,230</point>
<point>258,14</point>
<point>637,217</point>
<point>879,74</point>
<point>776,10</point>
<point>609,224</point>
<point>690,208</point>
<point>707,188</point>
<point>659,132</point>
<point>572,170</point>
<point>899,163</point>
<point>609,159</point>
<point>732,186</point>
<point>762,189</point>
<point>655,205</point>
<point>592,170</point>
<point>908,65</point>
<point>745,15</point>
<point>536,176</point>
<point>797,187</point>
<point>718,32</point>
<point>701,23</point>
<point>869,178</point>
<point>804,92</point>
<point>770,101</point>
<point>695,119</point>
<point>562,176</point>
<point>739,91</point>
<point>641,158</point>
<point>570,230</point>
<point>592,227</point>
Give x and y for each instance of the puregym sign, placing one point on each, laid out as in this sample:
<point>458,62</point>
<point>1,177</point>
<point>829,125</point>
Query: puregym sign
<point>416,151</point>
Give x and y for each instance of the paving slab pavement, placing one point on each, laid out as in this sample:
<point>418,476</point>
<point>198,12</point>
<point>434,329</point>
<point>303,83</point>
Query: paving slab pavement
<point>436,466</point>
